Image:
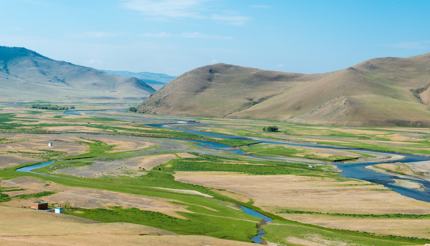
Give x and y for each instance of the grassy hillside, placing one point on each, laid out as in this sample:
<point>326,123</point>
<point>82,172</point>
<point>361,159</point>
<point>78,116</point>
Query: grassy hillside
<point>385,91</point>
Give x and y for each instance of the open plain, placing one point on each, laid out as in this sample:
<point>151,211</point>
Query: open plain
<point>145,179</point>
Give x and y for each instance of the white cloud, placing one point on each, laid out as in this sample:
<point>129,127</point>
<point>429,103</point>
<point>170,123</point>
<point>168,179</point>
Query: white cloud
<point>260,6</point>
<point>164,8</point>
<point>413,45</point>
<point>237,20</point>
<point>94,62</point>
<point>94,35</point>
<point>199,35</point>
<point>157,35</point>
<point>168,9</point>
<point>98,34</point>
<point>186,35</point>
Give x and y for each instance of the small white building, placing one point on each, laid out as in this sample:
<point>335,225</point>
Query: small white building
<point>50,144</point>
<point>58,210</point>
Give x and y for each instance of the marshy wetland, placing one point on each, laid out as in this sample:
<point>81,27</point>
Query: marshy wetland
<point>158,179</point>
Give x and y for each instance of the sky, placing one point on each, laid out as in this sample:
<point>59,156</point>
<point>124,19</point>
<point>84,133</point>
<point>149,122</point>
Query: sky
<point>174,36</point>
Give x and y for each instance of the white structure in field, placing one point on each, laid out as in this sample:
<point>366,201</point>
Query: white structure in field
<point>50,144</point>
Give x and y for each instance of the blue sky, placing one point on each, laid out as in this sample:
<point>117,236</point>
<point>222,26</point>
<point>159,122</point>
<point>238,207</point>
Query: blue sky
<point>173,36</point>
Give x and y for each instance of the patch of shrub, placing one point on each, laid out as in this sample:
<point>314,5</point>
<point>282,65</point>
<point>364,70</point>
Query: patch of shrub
<point>132,109</point>
<point>271,129</point>
<point>51,107</point>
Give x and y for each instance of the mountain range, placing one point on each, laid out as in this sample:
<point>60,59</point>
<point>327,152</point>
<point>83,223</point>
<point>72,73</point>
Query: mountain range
<point>383,91</point>
<point>155,80</point>
<point>27,75</point>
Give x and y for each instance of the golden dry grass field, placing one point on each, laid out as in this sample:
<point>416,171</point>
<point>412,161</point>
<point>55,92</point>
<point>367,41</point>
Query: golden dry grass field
<point>126,179</point>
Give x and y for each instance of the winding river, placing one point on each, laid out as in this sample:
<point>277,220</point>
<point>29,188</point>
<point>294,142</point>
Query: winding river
<point>31,168</point>
<point>355,170</point>
<point>258,238</point>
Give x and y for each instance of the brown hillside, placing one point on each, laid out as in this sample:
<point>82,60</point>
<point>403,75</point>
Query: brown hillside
<point>384,91</point>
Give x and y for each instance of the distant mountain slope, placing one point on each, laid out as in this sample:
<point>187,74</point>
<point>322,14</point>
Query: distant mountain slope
<point>156,80</point>
<point>27,75</point>
<point>385,91</point>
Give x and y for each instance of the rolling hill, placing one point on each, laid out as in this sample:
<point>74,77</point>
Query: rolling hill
<point>27,75</point>
<point>384,91</point>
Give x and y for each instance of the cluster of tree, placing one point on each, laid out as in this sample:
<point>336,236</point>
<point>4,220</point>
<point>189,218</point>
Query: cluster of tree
<point>4,197</point>
<point>271,129</point>
<point>51,107</point>
<point>132,109</point>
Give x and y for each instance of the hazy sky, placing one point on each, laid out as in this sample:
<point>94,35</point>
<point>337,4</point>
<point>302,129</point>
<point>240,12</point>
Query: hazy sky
<point>174,36</point>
